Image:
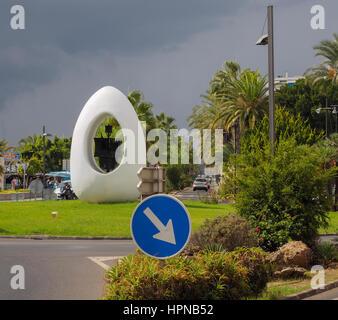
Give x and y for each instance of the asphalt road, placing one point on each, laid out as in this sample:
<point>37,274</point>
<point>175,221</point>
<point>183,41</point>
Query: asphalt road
<point>189,195</point>
<point>59,269</point>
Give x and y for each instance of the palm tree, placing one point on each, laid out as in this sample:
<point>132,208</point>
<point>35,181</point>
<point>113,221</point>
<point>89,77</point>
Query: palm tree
<point>4,145</point>
<point>245,103</point>
<point>220,84</point>
<point>30,140</point>
<point>205,116</point>
<point>327,69</point>
<point>165,122</point>
<point>142,108</point>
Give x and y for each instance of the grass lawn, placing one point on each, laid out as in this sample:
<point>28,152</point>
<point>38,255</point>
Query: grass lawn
<point>333,224</point>
<point>76,218</point>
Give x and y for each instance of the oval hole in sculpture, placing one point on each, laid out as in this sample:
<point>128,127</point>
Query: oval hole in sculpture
<point>107,140</point>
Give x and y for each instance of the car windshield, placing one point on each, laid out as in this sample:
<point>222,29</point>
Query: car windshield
<point>200,180</point>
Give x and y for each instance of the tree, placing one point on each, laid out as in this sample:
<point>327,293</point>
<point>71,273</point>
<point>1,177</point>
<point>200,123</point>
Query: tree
<point>165,122</point>
<point>35,166</point>
<point>328,68</point>
<point>245,103</point>
<point>56,150</point>
<point>143,109</point>
<point>283,196</point>
<point>204,115</point>
<point>27,141</point>
<point>235,100</point>
<point>305,97</point>
<point>287,125</point>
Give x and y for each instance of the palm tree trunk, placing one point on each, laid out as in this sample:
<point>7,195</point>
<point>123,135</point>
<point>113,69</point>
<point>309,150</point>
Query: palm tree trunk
<point>237,136</point>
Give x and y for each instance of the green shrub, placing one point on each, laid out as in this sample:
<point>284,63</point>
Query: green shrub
<point>178,177</point>
<point>228,232</point>
<point>259,272</point>
<point>325,253</point>
<point>174,176</point>
<point>283,196</point>
<point>207,275</point>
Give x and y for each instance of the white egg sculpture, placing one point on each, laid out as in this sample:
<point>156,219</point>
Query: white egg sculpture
<point>89,182</point>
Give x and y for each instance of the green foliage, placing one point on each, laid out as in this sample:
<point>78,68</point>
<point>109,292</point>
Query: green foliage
<point>179,176</point>
<point>56,150</point>
<point>328,68</point>
<point>259,272</point>
<point>304,98</point>
<point>235,100</point>
<point>174,173</point>
<point>35,166</point>
<point>287,125</point>
<point>246,101</point>
<point>228,231</point>
<point>283,196</point>
<point>207,275</point>
<point>326,252</point>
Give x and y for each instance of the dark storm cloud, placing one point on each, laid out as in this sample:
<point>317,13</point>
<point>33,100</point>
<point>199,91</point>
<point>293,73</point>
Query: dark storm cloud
<point>128,27</point>
<point>167,49</point>
<point>56,30</point>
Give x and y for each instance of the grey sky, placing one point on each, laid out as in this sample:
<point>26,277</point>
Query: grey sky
<point>167,49</point>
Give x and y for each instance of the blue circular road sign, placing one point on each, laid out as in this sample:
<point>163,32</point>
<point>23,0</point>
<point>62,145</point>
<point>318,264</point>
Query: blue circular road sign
<point>161,226</point>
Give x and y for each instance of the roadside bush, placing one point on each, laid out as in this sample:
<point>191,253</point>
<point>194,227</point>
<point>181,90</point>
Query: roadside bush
<point>259,271</point>
<point>174,177</point>
<point>178,177</point>
<point>228,232</point>
<point>283,196</point>
<point>207,275</point>
<point>325,253</point>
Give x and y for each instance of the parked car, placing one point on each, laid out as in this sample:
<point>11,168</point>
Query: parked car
<point>201,184</point>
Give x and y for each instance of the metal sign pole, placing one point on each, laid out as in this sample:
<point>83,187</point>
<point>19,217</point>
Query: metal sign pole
<point>271,80</point>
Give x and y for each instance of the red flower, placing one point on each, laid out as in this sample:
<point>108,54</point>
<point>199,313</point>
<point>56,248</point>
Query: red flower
<point>257,229</point>
<point>260,239</point>
<point>298,234</point>
<point>262,214</point>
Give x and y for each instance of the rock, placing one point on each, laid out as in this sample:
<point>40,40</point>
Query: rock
<point>190,250</point>
<point>294,253</point>
<point>290,272</point>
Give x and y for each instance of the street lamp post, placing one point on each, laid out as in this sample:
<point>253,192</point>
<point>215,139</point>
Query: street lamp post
<point>24,166</point>
<point>44,135</point>
<point>333,109</point>
<point>268,40</point>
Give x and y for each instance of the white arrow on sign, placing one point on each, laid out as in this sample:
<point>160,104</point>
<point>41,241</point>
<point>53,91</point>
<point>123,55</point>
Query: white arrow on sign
<point>166,232</point>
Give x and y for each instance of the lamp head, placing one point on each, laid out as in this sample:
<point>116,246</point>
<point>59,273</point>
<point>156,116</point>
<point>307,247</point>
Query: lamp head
<point>263,40</point>
<point>318,110</point>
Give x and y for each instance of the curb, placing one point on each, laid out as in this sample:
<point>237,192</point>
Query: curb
<point>328,234</point>
<point>310,292</point>
<point>45,237</point>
